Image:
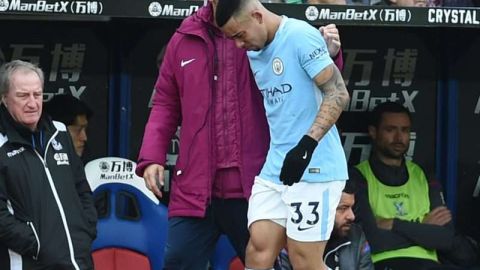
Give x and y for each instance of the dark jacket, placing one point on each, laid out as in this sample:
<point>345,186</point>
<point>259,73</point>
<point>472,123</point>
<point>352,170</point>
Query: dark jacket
<point>349,253</point>
<point>47,215</point>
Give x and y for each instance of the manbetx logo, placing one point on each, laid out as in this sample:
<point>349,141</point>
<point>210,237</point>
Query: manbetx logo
<point>3,5</point>
<point>39,6</point>
<point>155,9</point>
<point>350,14</point>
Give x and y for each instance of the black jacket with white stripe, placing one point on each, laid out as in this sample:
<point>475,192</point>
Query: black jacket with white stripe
<point>47,214</point>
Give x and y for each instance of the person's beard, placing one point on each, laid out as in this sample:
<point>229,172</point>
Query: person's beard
<point>343,230</point>
<point>390,152</point>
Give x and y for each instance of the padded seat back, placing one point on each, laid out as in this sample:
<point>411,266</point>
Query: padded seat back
<point>132,223</point>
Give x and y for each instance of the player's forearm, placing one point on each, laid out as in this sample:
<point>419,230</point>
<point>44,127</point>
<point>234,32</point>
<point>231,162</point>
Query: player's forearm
<point>426,235</point>
<point>335,99</point>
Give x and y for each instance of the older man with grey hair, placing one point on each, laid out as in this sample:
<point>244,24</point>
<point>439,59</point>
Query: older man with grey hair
<point>47,215</point>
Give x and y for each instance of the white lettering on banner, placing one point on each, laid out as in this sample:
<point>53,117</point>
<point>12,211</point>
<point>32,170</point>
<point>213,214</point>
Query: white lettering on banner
<point>358,59</point>
<point>67,61</point>
<point>116,176</point>
<point>86,7</point>
<point>399,67</point>
<point>476,190</point>
<point>76,7</point>
<point>349,14</point>
<point>356,142</point>
<point>170,10</point>
<point>362,101</point>
<point>121,166</point>
<point>395,15</point>
<point>77,93</point>
<point>116,170</point>
<point>477,107</point>
<point>454,16</point>
<point>39,6</point>
<point>73,90</point>
<point>27,52</point>
<point>150,102</point>
<point>156,9</point>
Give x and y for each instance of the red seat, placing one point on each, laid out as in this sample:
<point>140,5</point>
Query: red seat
<point>119,259</point>
<point>236,264</point>
<point>225,257</point>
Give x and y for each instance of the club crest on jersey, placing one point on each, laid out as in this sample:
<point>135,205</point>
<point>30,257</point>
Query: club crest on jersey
<point>61,158</point>
<point>399,207</point>
<point>56,145</point>
<point>277,66</point>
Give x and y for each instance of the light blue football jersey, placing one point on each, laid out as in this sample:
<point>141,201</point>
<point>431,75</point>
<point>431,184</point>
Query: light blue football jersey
<point>284,72</point>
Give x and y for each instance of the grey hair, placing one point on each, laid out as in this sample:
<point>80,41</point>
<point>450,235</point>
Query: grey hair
<point>7,69</point>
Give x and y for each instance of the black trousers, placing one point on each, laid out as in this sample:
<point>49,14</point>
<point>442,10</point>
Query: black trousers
<point>191,241</point>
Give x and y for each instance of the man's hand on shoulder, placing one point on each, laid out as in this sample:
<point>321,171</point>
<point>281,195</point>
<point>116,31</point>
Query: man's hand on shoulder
<point>332,38</point>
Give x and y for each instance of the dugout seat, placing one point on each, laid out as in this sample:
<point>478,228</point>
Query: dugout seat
<point>132,223</point>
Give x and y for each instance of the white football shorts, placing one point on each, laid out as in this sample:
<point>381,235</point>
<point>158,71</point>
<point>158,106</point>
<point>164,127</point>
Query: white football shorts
<point>306,210</point>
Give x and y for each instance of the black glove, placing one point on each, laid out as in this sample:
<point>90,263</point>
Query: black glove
<point>297,160</point>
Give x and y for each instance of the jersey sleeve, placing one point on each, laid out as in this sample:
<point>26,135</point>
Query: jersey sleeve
<point>312,50</point>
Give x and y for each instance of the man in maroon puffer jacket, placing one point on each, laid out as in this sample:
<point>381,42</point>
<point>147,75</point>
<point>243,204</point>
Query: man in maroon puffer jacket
<point>206,86</point>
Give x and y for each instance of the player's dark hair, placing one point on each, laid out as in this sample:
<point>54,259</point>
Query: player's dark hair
<point>226,9</point>
<point>386,107</point>
<point>350,187</point>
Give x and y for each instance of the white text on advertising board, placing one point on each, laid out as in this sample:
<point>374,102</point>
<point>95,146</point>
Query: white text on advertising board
<point>156,9</point>
<point>348,14</point>
<point>75,7</point>
<point>453,16</point>
<point>477,107</point>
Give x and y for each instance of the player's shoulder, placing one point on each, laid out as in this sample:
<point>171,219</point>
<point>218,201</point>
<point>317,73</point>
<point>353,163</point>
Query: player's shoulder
<point>298,27</point>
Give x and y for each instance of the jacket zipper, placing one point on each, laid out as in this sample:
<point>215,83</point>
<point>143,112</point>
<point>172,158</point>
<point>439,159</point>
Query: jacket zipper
<point>36,237</point>
<point>57,200</point>
<point>179,170</point>
<point>225,135</point>
<point>335,249</point>
<point>214,78</point>
<point>213,82</point>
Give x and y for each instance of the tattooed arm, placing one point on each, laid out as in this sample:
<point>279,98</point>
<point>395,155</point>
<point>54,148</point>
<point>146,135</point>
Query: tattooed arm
<point>335,99</point>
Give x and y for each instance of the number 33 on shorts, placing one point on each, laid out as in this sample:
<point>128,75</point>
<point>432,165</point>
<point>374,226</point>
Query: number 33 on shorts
<point>305,216</point>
